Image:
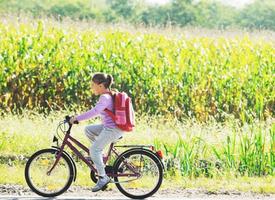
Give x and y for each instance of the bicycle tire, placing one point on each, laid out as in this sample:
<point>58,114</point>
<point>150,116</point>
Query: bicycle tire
<point>128,154</point>
<point>32,186</point>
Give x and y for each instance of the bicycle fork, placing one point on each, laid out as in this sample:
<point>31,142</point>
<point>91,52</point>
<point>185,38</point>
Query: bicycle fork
<point>58,156</point>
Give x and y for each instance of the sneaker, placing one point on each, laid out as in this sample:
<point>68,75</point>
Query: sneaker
<point>101,183</point>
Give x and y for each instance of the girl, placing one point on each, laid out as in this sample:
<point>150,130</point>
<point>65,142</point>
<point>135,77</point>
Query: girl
<point>105,133</point>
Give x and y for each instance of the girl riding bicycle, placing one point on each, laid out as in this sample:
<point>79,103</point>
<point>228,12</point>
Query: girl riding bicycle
<point>103,134</point>
<point>139,165</point>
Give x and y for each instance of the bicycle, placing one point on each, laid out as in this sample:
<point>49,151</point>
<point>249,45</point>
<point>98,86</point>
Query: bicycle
<point>50,172</point>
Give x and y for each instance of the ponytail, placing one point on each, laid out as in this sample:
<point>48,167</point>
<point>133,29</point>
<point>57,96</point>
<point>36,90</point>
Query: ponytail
<point>109,81</point>
<point>105,79</point>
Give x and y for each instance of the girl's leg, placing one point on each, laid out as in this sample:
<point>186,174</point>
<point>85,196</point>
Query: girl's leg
<point>107,136</point>
<point>92,131</point>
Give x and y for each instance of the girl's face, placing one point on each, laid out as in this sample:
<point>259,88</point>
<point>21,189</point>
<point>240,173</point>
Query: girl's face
<point>97,89</point>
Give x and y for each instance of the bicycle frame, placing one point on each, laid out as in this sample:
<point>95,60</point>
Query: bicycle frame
<point>69,141</point>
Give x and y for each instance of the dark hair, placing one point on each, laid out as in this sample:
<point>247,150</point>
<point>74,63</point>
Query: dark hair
<point>105,79</point>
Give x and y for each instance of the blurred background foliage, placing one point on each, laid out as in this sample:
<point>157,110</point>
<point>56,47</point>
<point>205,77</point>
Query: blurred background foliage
<point>258,14</point>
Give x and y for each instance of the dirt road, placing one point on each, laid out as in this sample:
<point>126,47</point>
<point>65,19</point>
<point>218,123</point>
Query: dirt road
<point>16,192</point>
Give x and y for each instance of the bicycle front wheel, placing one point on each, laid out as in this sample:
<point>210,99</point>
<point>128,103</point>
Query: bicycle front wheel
<point>43,183</point>
<point>138,174</point>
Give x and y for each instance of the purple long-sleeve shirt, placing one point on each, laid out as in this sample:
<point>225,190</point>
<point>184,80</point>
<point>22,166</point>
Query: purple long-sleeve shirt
<point>105,101</point>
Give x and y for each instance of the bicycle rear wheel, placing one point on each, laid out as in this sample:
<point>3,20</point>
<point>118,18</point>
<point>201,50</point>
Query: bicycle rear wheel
<point>148,170</point>
<point>53,184</point>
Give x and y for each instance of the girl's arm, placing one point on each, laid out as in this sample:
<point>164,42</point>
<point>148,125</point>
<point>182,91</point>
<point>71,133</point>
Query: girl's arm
<point>99,107</point>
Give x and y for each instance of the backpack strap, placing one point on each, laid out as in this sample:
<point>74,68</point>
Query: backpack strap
<point>113,94</point>
<point>109,112</point>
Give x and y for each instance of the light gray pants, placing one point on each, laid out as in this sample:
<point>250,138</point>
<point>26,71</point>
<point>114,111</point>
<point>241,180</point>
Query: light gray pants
<point>100,136</point>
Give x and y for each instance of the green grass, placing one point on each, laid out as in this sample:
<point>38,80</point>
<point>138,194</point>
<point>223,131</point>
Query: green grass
<point>210,155</point>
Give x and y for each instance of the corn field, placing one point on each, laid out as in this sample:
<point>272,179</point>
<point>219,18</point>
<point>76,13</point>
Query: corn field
<point>50,68</point>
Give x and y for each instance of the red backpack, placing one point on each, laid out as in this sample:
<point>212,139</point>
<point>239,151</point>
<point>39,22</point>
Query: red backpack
<point>123,115</point>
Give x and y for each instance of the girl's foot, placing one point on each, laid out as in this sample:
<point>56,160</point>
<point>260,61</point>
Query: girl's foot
<point>101,183</point>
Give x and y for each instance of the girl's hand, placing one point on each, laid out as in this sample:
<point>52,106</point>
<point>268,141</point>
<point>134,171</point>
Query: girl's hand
<point>72,120</point>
